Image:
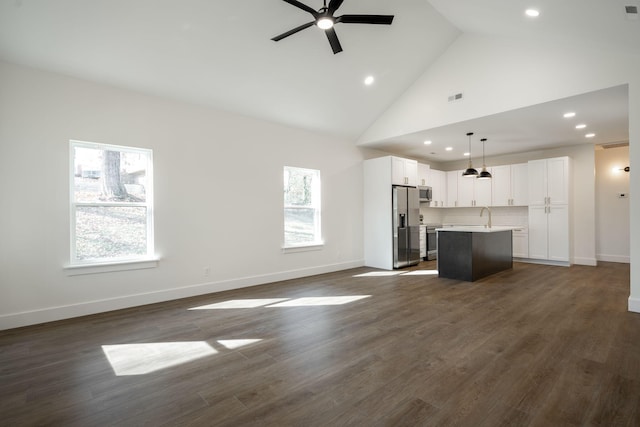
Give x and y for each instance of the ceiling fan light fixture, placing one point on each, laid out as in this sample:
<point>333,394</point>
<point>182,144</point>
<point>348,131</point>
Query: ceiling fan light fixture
<point>325,22</point>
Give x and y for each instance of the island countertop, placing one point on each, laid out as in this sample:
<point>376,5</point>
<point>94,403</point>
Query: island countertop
<point>480,228</point>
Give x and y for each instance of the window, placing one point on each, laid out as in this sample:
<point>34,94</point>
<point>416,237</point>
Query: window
<point>301,207</point>
<point>111,203</point>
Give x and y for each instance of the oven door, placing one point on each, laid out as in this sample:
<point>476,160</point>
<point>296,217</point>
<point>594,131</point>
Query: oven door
<point>432,243</point>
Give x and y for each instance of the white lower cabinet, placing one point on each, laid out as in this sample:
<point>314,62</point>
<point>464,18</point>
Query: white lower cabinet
<point>520,243</point>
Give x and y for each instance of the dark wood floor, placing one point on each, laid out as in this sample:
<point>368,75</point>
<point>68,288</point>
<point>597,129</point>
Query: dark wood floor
<point>533,346</point>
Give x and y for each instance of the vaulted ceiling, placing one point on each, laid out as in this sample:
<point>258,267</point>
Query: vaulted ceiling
<point>219,53</point>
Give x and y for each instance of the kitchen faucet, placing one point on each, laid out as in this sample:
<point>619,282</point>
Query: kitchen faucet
<point>488,224</point>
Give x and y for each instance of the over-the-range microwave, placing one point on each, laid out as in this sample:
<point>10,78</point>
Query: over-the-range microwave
<point>425,193</point>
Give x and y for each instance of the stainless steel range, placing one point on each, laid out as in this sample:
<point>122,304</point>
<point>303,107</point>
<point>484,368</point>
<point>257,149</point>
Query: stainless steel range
<point>432,241</point>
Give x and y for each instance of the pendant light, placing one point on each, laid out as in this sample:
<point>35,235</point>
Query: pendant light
<point>485,174</point>
<point>470,172</point>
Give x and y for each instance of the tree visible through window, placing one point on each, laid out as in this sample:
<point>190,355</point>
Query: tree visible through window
<point>111,203</point>
<point>301,207</point>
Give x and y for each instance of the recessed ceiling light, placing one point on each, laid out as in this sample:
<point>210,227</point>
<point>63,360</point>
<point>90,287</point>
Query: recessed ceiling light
<point>569,115</point>
<point>532,13</point>
<point>581,126</point>
<point>369,80</point>
<point>427,142</point>
<point>449,148</point>
<point>466,154</point>
<point>590,135</point>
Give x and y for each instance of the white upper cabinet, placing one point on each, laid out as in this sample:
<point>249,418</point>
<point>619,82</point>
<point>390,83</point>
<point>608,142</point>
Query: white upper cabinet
<point>549,181</point>
<point>423,174</point>
<point>482,192</point>
<point>520,184</point>
<point>404,171</point>
<point>501,181</point>
<point>473,191</point>
<point>465,191</point>
<point>558,180</point>
<point>438,183</point>
<point>510,185</point>
<point>452,188</point>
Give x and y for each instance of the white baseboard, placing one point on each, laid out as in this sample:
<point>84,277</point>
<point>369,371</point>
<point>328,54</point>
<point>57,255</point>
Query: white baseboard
<point>614,258</point>
<point>634,305</point>
<point>16,320</point>
<point>543,262</point>
<point>585,261</point>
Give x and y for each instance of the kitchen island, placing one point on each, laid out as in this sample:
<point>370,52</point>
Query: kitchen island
<point>470,253</point>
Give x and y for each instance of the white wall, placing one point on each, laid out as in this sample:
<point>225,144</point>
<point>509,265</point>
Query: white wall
<point>218,196</point>
<point>612,211</point>
<point>497,75</point>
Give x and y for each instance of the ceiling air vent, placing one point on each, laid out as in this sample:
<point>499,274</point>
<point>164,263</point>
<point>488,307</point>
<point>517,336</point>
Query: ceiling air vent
<point>455,97</point>
<point>632,12</point>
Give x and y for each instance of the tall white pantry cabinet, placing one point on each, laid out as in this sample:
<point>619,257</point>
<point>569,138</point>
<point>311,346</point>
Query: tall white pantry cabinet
<point>549,231</point>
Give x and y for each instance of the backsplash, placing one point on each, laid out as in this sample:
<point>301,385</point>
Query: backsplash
<point>508,215</point>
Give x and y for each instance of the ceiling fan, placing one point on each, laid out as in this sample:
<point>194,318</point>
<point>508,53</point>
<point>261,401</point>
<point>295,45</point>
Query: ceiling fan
<point>325,20</point>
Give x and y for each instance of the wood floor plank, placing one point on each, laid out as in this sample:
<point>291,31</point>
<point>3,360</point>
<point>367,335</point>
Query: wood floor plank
<point>535,345</point>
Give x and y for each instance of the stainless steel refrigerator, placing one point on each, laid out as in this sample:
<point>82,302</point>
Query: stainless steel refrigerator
<point>406,226</point>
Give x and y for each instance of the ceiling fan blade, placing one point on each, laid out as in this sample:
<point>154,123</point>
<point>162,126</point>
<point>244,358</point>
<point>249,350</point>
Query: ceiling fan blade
<point>333,40</point>
<point>295,30</point>
<point>365,19</point>
<point>303,7</point>
<point>334,5</point>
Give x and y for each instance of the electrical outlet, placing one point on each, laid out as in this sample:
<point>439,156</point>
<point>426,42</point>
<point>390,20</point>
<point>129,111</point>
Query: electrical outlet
<point>207,271</point>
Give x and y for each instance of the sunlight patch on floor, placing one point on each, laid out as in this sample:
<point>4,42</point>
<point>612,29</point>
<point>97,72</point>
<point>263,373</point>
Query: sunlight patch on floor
<point>144,358</point>
<point>421,273</point>
<point>282,302</point>
<point>240,303</point>
<point>311,301</point>
<point>233,344</point>
<point>379,274</point>
<point>398,273</point>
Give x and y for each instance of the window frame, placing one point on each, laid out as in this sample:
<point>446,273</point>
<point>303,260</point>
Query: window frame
<point>76,266</point>
<point>316,205</point>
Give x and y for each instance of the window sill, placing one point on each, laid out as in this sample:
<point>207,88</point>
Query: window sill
<point>303,248</point>
<point>108,267</point>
